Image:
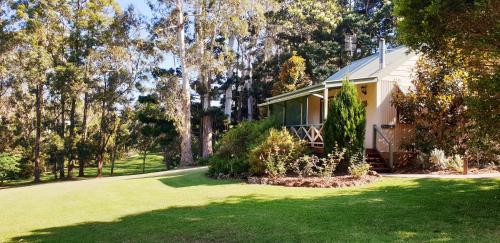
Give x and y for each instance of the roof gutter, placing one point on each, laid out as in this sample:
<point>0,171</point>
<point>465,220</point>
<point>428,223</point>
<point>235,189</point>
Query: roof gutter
<point>313,89</point>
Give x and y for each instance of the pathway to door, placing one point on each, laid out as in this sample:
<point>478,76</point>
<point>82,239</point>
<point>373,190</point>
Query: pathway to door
<point>469,176</point>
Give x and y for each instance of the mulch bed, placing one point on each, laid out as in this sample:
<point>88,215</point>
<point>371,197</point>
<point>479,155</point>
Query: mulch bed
<point>334,181</point>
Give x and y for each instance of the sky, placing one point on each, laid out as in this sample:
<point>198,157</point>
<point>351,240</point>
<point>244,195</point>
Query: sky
<point>140,5</point>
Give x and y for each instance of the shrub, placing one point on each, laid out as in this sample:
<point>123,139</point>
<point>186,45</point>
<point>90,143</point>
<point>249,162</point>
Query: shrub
<point>422,160</point>
<point>202,161</point>
<point>235,167</point>
<point>304,165</point>
<point>8,166</point>
<point>329,164</point>
<point>358,167</point>
<point>276,152</point>
<point>456,163</point>
<point>232,151</point>
<point>53,147</point>
<point>345,124</point>
<point>239,140</point>
<point>437,159</point>
<point>315,166</point>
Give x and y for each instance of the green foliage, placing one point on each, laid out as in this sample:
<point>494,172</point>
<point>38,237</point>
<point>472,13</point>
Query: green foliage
<point>86,151</point>
<point>345,125</point>
<point>154,127</point>
<point>436,107</point>
<point>359,169</point>
<point>202,161</point>
<point>439,26</point>
<point>233,167</point>
<point>232,151</point>
<point>275,154</point>
<point>312,165</point>
<point>239,140</point>
<point>470,30</point>
<point>483,107</point>
<point>358,166</point>
<point>9,165</point>
<point>316,31</point>
<point>292,75</point>
<point>54,149</point>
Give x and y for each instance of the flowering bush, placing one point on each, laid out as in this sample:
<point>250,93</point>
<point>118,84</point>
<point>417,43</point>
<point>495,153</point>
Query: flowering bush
<point>276,152</point>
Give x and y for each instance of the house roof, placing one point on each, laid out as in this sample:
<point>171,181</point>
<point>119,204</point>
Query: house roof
<point>369,66</point>
<point>364,70</point>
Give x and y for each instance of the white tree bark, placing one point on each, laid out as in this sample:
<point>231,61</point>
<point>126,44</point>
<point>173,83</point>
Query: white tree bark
<point>249,87</point>
<point>186,150</point>
<point>228,98</point>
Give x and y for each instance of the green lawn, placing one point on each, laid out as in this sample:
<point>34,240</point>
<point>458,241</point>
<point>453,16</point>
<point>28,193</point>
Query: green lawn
<point>126,166</point>
<point>188,206</point>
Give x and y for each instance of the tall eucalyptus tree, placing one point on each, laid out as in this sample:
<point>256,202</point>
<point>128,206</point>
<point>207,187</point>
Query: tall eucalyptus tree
<point>40,33</point>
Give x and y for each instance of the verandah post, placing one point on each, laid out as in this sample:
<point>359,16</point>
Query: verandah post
<point>325,103</point>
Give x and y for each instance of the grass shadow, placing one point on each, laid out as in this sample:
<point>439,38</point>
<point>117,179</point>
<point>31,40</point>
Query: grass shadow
<point>426,210</point>
<point>194,178</point>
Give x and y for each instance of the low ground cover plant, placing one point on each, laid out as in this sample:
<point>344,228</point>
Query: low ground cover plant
<point>314,166</point>
<point>456,163</point>
<point>358,166</point>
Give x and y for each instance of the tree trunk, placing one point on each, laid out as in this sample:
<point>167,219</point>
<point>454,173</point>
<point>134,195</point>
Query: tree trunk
<point>62,132</point>
<point>207,149</point>
<point>206,123</point>
<point>228,101</point>
<point>144,161</point>
<point>81,161</point>
<point>100,162</point>
<point>102,143</point>
<point>186,150</point>
<point>165,157</point>
<point>228,98</point>
<point>249,89</point>
<point>39,94</point>
<point>70,148</point>
<point>113,159</point>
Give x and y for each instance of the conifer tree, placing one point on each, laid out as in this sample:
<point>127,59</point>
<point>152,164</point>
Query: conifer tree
<point>345,124</point>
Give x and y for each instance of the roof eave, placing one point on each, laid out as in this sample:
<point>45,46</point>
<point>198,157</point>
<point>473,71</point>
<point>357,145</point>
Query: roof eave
<point>313,89</point>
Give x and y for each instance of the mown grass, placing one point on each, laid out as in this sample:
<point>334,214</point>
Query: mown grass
<point>189,207</point>
<point>125,166</point>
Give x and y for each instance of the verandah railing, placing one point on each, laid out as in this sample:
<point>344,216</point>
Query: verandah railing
<point>311,133</point>
<point>376,131</point>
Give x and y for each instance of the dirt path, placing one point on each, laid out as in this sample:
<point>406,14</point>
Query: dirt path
<point>470,176</point>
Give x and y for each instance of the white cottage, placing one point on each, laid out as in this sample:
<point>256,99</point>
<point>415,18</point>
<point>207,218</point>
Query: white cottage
<point>303,111</point>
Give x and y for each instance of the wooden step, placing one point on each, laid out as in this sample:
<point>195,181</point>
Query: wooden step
<point>377,163</point>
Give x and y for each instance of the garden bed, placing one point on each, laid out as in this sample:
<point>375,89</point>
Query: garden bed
<point>318,182</point>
